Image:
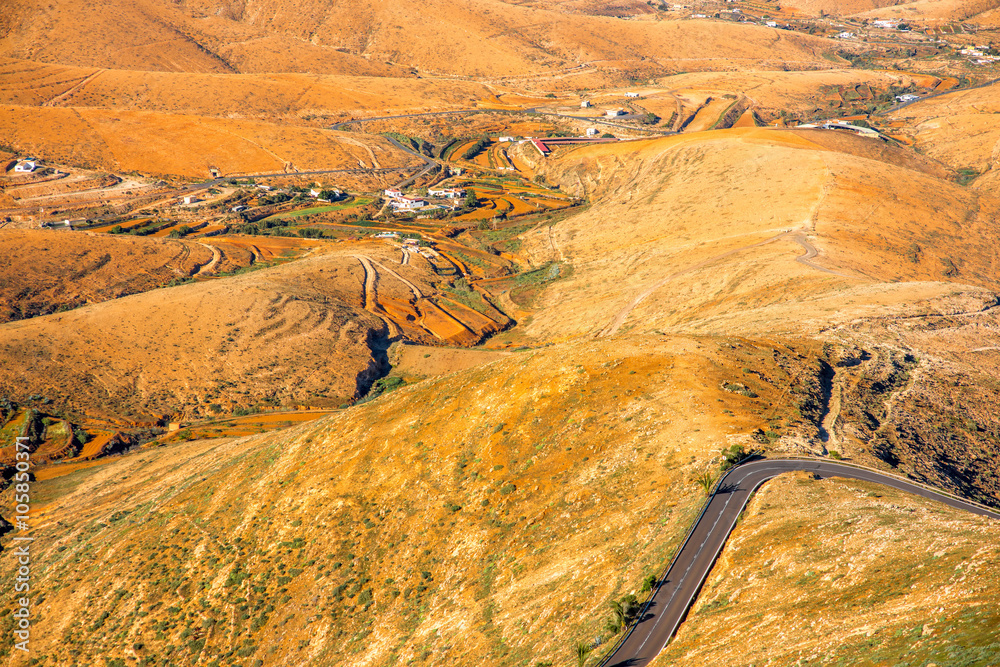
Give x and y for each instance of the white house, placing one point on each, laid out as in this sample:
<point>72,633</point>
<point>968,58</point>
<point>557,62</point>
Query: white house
<point>25,166</point>
<point>191,199</point>
<point>845,35</point>
<point>393,194</point>
<point>502,139</point>
<point>771,24</point>
<point>585,104</point>
<point>614,113</point>
<point>631,94</point>
<point>408,203</point>
<point>908,97</point>
<point>592,131</point>
<point>447,193</point>
<point>387,235</point>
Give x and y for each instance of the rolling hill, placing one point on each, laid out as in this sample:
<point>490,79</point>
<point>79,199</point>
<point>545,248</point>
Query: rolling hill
<point>482,38</point>
<point>288,98</point>
<point>154,143</point>
<point>486,515</point>
<point>960,130</point>
<point>68,270</point>
<point>290,335</point>
<point>709,230</point>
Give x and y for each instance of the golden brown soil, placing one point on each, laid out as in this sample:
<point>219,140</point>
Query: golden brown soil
<point>500,483</point>
<point>485,38</point>
<point>444,520</point>
<point>45,271</point>
<point>174,144</point>
<point>707,230</point>
<point>959,129</point>
<point>289,335</point>
<point>287,97</point>
<point>850,572</point>
<point>422,361</point>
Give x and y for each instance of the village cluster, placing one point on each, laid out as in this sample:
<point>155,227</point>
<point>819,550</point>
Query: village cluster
<point>443,198</point>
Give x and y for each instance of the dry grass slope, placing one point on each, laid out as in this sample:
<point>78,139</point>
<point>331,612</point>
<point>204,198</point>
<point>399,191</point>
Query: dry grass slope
<point>289,335</point>
<point>481,38</point>
<point>182,145</point>
<point>847,573</point>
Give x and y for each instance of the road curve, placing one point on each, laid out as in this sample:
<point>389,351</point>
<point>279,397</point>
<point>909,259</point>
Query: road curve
<point>676,592</point>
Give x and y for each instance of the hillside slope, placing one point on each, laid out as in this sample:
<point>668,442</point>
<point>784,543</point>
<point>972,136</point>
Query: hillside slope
<point>481,38</point>
<point>858,578</point>
<point>489,515</point>
<point>183,145</point>
<point>290,335</point>
<point>960,130</point>
<point>287,98</point>
<point>42,271</point>
<point>709,228</point>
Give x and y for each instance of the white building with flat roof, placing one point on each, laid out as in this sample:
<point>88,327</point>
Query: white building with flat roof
<point>408,203</point>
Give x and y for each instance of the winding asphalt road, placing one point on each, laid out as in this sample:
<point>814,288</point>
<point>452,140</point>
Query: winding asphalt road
<point>697,555</point>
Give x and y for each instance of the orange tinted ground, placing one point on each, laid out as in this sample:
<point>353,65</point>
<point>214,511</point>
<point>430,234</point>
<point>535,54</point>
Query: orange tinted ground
<point>184,145</point>
<point>241,426</point>
<point>746,120</point>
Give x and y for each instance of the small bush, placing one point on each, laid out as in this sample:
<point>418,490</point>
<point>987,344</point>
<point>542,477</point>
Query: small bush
<point>507,489</point>
<point>835,455</point>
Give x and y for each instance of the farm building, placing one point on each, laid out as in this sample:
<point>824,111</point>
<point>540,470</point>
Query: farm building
<point>387,235</point>
<point>393,194</point>
<point>585,104</point>
<point>614,113</point>
<point>191,199</point>
<point>448,193</point>
<point>408,203</point>
<point>592,131</point>
<point>25,166</point>
<point>631,94</point>
<point>502,139</point>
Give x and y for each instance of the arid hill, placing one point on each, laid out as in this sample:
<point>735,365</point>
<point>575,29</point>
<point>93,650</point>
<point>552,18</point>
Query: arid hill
<point>286,98</point>
<point>290,335</point>
<point>985,13</point>
<point>483,38</point>
<point>858,579</point>
<point>960,130</point>
<point>182,145</point>
<point>715,232</point>
<point>45,271</point>
<point>489,515</point>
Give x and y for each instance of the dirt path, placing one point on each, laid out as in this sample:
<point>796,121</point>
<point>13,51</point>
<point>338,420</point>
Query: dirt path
<point>811,252</point>
<point>62,97</point>
<point>210,267</point>
<point>413,288</point>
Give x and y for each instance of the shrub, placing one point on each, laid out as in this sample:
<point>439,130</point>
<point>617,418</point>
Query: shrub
<point>835,455</point>
<point>732,456</point>
<point>507,489</point>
